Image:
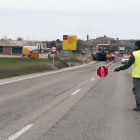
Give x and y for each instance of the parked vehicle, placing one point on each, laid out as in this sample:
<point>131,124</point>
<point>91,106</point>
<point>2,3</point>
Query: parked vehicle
<point>125,59</point>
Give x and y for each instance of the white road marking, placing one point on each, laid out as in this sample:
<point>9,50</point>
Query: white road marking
<point>16,135</point>
<point>66,69</point>
<point>22,79</point>
<point>76,92</point>
<point>92,79</point>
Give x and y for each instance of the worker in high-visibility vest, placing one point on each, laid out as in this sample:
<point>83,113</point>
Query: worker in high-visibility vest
<point>108,57</point>
<point>135,60</point>
<point>112,57</point>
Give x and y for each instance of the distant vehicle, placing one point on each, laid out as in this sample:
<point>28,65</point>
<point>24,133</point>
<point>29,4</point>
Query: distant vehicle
<point>56,54</point>
<point>83,52</point>
<point>121,51</point>
<point>125,59</point>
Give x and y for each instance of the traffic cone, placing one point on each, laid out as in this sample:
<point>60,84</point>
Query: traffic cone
<point>107,65</point>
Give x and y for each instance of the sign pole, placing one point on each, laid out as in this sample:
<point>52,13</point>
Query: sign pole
<point>53,50</point>
<point>53,59</point>
<point>69,56</point>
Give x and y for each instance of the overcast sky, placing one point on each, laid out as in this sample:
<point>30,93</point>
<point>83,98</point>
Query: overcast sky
<point>51,19</point>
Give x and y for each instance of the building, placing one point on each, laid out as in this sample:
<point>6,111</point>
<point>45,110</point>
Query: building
<point>12,47</point>
<point>90,42</point>
<point>104,40</point>
<point>101,40</point>
<point>125,42</point>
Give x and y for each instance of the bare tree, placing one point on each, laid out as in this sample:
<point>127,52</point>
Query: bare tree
<point>19,38</point>
<point>5,38</point>
<point>58,41</point>
<point>52,43</point>
<point>80,45</point>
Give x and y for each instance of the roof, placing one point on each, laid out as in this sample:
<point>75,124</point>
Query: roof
<point>103,44</point>
<point>19,43</point>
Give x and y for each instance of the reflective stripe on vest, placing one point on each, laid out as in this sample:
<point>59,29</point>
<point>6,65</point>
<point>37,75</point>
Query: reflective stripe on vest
<point>136,65</point>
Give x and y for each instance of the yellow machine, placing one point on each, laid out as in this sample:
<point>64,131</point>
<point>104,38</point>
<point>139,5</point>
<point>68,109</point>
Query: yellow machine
<point>121,55</point>
<point>27,49</point>
<point>40,47</point>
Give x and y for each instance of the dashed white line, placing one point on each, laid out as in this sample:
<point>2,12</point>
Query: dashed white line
<point>92,79</point>
<point>76,92</point>
<point>16,135</point>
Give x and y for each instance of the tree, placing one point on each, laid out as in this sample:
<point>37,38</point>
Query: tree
<point>52,43</point>
<point>5,38</point>
<point>58,41</point>
<point>80,45</point>
<point>19,38</point>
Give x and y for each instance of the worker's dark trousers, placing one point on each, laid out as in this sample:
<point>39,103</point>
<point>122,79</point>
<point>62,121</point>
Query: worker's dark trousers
<point>136,89</point>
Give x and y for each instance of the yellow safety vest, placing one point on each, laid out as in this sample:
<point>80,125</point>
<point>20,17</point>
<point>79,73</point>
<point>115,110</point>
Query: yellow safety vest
<point>136,65</point>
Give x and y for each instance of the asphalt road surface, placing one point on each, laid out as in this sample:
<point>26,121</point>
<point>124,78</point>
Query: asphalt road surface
<point>69,104</point>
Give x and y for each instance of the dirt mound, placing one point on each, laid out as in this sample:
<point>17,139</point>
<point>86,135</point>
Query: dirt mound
<point>71,60</point>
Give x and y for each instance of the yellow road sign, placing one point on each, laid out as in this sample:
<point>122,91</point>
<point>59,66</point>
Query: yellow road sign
<point>69,42</point>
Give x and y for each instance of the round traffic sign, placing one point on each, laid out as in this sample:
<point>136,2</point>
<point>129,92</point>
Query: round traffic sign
<point>102,71</point>
<point>53,49</point>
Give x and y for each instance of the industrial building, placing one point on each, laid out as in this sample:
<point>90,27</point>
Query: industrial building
<point>12,47</point>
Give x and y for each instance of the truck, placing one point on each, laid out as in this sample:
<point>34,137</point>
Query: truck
<point>102,50</point>
<point>121,51</point>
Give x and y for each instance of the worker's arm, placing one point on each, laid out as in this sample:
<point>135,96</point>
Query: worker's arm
<point>127,65</point>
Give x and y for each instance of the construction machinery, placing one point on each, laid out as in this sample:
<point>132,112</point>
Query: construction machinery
<point>102,50</point>
<point>39,47</point>
<point>94,55</point>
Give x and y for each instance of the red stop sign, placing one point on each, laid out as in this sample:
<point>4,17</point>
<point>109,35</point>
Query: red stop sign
<point>102,71</point>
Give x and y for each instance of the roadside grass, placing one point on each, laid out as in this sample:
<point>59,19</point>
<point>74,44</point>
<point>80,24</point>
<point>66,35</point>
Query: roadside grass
<point>14,73</point>
<point>21,62</point>
<point>10,67</point>
<point>64,64</point>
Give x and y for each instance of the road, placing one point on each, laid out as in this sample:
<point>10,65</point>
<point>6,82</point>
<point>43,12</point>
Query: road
<point>69,104</point>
